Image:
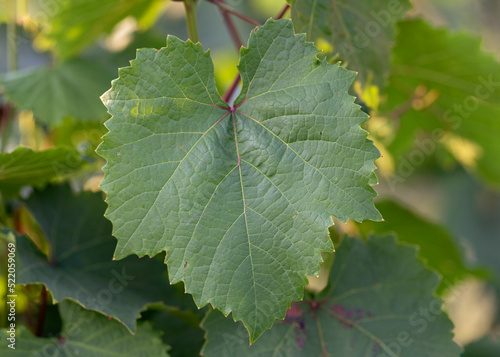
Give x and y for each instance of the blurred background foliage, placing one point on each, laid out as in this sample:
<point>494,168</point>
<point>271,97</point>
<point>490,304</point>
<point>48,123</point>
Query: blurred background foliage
<point>440,171</point>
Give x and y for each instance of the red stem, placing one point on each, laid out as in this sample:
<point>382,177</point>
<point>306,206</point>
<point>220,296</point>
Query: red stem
<point>236,39</point>
<point>41,313</point>
<point>231,89</point>
<point>226,8</point>
<point>232,29</point>
<point>283,12</point>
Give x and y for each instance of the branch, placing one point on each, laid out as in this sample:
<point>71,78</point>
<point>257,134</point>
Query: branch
<point>230,10</point>
<point>282,12</point>
<point>231,28</point>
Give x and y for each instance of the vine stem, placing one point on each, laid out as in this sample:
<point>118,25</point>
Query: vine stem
<point>192,27</point>
<point>223,6</point>
<point>282,12</point>
<point>231,28</point>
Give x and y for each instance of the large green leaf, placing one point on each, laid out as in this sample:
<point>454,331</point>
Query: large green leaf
<point>240,197</point>
<point>71,89</point>
<point>23,167</point>
<point>443,84</point>
<point>437,247</point>
<point>87,334</point>
<point>361,32</point>
<point>379,302</point>
<point>80,263</point>
<point>76,24</point>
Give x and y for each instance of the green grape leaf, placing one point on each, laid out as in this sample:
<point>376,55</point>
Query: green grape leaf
<point>444,85</point>
<point>360,32</point>
<point>70,89</point>
<point>86,333</point>
<point>181,330</point>
<point>80,266</point>
<point>25,167</point>
<point>379,302</point>
<point>76,24</point>
<point>240,197</point>
<point>488,346</point>
<point>436,246</point>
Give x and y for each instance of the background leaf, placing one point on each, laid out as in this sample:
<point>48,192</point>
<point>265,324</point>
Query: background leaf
<point>239,198</point>
<point>90,334</point>
<point>71,89</point>
<point>360,32</point>
<point>76,24</point>
<point>370,308</point>
<point>437,247</point>
<point>181,329</point>
<point>80,266</point>
<point>443,85</point>
<point>486,347</point>
<point>23,167</point>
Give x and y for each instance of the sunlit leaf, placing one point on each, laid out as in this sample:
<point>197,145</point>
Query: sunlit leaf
<point>241,197</point>
<point>444,85</point>
<point>71,89</point>
<point>25,167</point>
<point>359,32</point>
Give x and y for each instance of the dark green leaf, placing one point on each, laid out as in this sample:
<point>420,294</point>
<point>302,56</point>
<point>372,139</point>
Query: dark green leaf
<point>379,302</point>
<point>87,334</point>
<point>80,263</point>
<point>181,330</point>
<point>437,247</point>
<point>486,347</point>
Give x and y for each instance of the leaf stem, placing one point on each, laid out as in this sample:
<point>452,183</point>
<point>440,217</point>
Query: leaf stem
<point>231,89</point>
<point>192,28</point>
<point>222,5</point>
